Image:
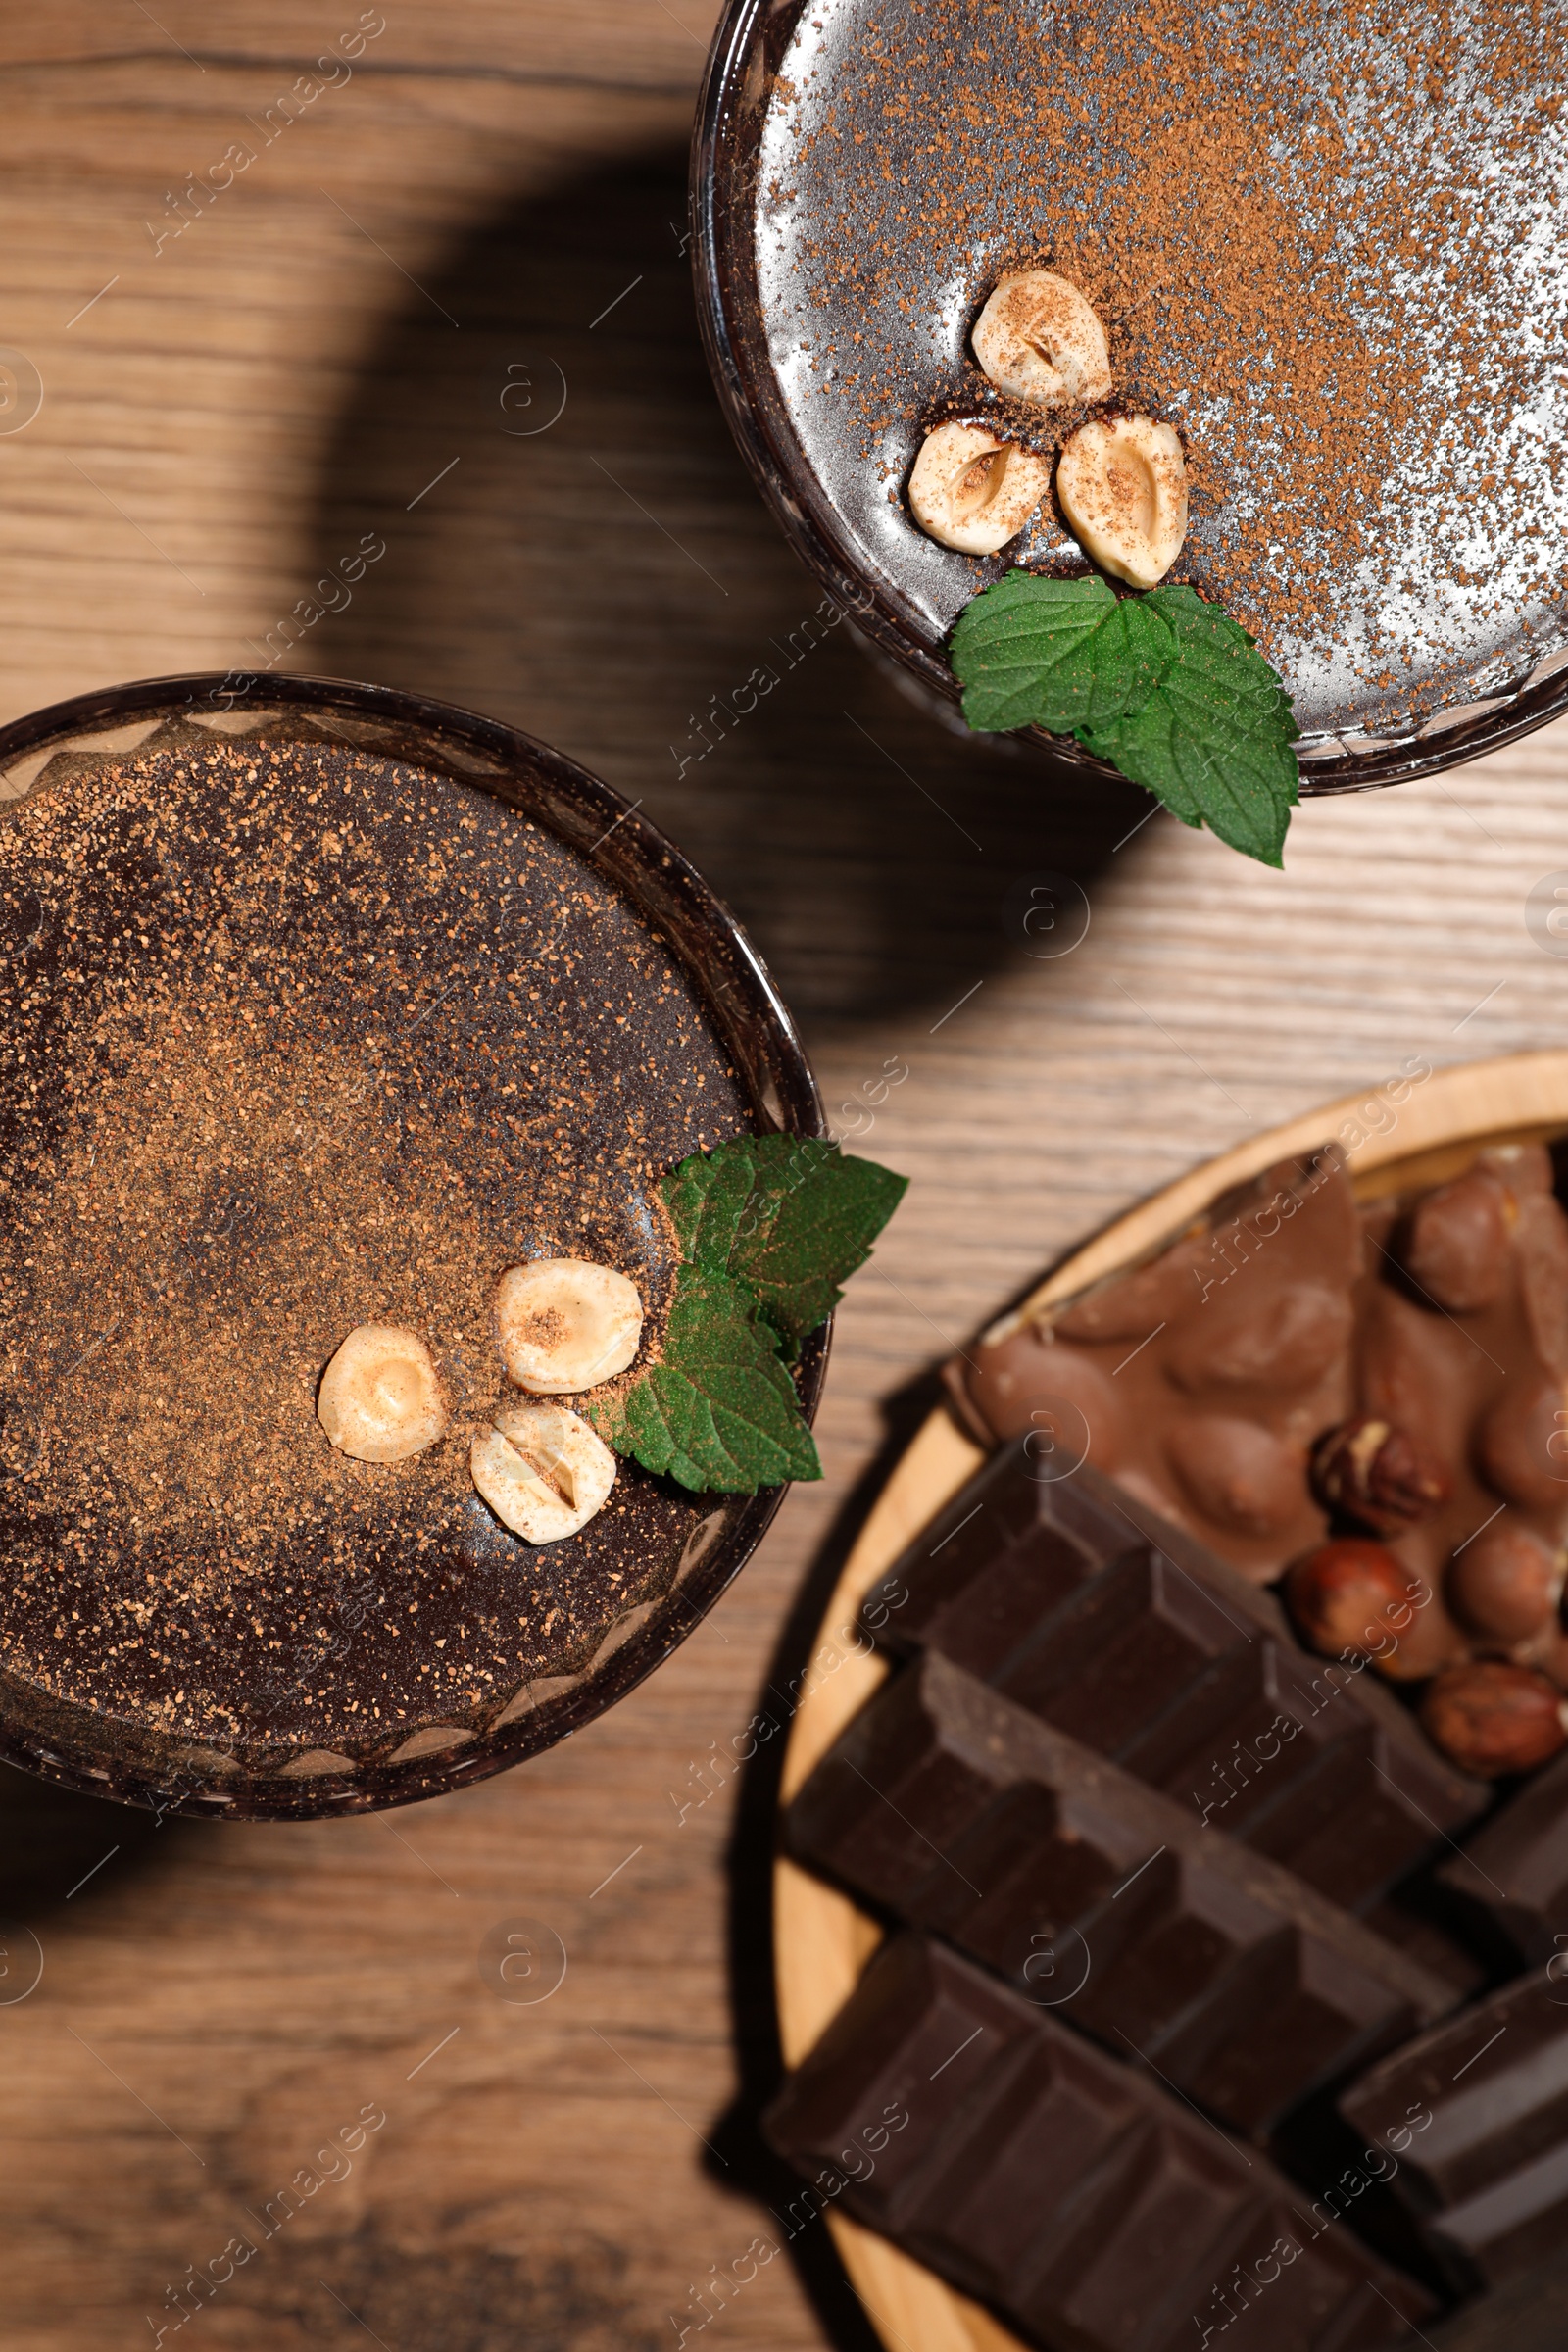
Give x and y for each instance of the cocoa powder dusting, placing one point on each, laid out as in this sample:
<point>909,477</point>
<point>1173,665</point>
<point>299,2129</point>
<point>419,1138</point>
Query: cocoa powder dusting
<point>1325,239</point>
<point>305,1038</point>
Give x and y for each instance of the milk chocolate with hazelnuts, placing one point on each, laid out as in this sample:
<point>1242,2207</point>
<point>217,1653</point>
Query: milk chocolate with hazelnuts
<point>1202,1378</point>
<point>1462,1338</point>
<point>1082,1605</point>
<point>1325,1385</point>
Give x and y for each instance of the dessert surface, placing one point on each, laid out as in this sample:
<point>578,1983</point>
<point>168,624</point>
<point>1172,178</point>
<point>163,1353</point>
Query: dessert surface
<point>1326,244</point>
<point>307,1040</point>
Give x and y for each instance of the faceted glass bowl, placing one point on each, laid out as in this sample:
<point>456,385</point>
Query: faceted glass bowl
<point>110,1756</point>
<point>730,174</point>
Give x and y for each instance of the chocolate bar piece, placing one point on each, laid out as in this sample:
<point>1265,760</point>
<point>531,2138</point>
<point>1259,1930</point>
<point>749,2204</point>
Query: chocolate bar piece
<point>1202,1376</point>
<point>1103,1899</point>
<point>1073,1598</point>
<point>1477,2112</point>
<point>1197,1374</point>
<point>1092,2209</point>
<point>1529,2313</point>
<point>1516,1869</point>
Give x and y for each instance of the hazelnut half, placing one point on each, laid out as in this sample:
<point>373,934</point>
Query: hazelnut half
<point>1494,1719</point>
<point>542,1470</point>
<point>566,1324</point>
<point>974,491</point>
<point>379,1400</point>
<point>1123,489</point>
<point>1375,1473</point>
<point>1038,338</point>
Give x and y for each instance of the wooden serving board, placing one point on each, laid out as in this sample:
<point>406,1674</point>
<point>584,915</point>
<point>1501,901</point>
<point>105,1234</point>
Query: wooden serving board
<point>821,1940</point>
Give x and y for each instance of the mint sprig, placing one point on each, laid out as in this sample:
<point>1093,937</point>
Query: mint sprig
<point>786,1215</point>
<point>1166,686</point>
<point>1056,654</point>
<point>720,1412</point>
<point>770,1227</point>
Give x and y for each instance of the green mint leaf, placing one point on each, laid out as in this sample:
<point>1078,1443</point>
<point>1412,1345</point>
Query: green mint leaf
<point>1213,740</point>
<point>1058,653</point>
<point>720,1414</point>
<point>707,1195</point>
<point>786,1215</point>
<point>768,1226</point>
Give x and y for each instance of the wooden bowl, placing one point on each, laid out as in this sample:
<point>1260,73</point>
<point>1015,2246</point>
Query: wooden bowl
<point>821,1940</point>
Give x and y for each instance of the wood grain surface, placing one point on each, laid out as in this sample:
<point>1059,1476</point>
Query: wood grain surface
<point>368,330</point>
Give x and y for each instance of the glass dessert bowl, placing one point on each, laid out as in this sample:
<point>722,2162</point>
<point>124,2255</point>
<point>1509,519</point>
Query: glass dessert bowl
<point>1324,250</point>
<point>334,1005</point>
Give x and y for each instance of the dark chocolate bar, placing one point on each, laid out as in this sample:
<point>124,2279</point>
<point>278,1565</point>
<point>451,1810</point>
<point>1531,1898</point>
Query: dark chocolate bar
<point>1478,2113</point>
<point>1529,2313</point>
<point>1087,1608</point>
<point>950,1806</point>
<point>1516,1869</point>
<point>1088,2207</point>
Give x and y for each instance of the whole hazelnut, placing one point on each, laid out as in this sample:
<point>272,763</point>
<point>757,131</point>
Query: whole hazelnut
<point>972,490</point>
<point>1494,1719</point>
<point>1121,482</point>
<point>1244,1478</point>
<point>1352,1595</point>
<point>1506,1585</point>
<point>1038,339</point>
<point>1372,1472</point>
<point>1454,1246</point>
<point>544,1472</point>
<point>564,1324</point>
<point>1521,1446</point>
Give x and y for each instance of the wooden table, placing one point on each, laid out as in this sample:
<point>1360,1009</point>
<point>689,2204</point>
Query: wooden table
<point>359,334</point>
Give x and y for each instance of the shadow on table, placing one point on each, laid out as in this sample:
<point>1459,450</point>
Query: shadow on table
<point>747,2162</point>
<point>59,1848</point>
<point>573,544</point>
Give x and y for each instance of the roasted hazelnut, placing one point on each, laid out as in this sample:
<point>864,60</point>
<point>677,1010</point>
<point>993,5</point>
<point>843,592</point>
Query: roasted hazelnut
<point>1522,1447</point>
<point>542,1470</point>
<point>1455,1246</point>
<point>974,491</point>
<point>1494,1719</point>
<point>1040,340</point>
<point>1505,1584</point>
<point>379,1400</point>
<point>1238,1474</point>
<point>1377,1475</point>
<point>564,1324</point>
<point>1353,1594</point>
<point>1123,489</point>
